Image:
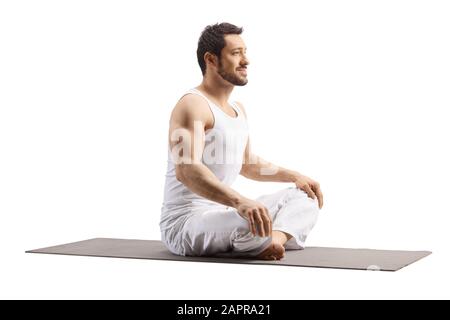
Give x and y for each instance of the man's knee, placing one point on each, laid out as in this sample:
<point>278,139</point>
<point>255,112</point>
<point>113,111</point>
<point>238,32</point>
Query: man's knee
<point>296,194</point>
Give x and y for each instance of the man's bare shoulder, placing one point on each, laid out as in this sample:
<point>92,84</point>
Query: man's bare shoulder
<point>192,107</point>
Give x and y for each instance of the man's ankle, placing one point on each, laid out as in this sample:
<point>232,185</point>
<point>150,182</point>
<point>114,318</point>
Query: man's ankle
<point>280,237</point>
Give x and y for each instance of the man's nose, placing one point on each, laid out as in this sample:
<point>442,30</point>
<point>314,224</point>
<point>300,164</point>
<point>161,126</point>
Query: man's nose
<point>245,60</point>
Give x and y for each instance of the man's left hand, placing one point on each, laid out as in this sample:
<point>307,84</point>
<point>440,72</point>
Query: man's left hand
<point>311,187</point>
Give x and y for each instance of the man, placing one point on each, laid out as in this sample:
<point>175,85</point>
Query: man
<point>208,147</point>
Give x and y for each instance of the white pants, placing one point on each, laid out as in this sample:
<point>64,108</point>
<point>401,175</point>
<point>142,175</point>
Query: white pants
<point>221,231</point>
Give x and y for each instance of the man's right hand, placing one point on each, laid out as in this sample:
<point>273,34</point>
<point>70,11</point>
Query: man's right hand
<point>257,216</point>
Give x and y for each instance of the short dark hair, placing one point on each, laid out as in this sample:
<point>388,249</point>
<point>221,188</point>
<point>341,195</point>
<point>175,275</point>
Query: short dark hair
<point>212,40</point>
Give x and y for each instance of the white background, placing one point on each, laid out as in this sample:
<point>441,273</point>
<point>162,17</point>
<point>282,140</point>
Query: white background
<point>354,94</point>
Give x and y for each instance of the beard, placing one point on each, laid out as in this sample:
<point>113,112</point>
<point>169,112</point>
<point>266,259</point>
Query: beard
<point>231,77</point>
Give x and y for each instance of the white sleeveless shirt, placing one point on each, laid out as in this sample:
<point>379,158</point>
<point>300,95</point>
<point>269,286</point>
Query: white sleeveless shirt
<point>223,154</point>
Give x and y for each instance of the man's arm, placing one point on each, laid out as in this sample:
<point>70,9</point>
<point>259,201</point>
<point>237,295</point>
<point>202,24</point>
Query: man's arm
<point>256,168</point>
<point>187,139</point>
<point>188,121</point>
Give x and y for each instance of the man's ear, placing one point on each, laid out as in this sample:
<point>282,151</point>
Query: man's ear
<point>210,59</point>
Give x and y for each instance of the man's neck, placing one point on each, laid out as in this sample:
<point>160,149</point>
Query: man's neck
<point>219,91</point>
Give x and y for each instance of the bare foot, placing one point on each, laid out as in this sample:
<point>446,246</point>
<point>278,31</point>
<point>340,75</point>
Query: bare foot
<point>274,251</point>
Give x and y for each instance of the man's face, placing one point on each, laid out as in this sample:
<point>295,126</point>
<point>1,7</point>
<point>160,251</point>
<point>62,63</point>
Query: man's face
<point>233,62</point>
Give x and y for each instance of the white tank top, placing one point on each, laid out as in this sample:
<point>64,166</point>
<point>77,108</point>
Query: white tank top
<point>223,154</point>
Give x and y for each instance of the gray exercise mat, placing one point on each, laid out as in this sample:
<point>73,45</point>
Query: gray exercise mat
<point>321,257</point>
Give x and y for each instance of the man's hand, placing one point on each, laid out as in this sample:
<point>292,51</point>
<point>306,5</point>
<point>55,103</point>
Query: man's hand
<point>311,187</point>
<point>257,215</point>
